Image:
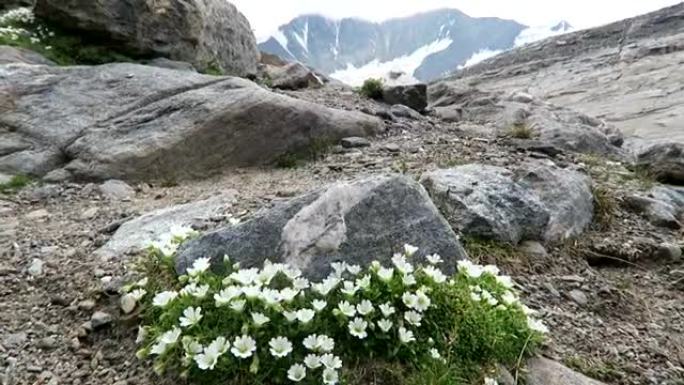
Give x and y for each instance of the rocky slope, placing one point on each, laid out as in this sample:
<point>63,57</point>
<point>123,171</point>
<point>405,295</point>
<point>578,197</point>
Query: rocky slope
<point>438,41</point>
<point>626,73</point>
<point>591,234</point>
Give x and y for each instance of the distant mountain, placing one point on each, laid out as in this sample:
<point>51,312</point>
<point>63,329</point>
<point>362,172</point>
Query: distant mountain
<point>425,46</point>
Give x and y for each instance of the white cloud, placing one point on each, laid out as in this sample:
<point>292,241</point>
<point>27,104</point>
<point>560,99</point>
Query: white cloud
<point>266,15</point>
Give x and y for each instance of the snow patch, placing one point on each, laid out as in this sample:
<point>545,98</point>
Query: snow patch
<point>280,37</point>
<point>532,34</point>
<point>375,69</point>
<point>479,56</point>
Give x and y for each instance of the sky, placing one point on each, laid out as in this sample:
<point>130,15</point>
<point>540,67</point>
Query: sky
<point>266,16</point>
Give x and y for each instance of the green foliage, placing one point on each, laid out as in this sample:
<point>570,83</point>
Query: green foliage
<point>15,184</point>
<point>603,370</point>
<point>408,324</point>
<point>214,69</point>
<point>521,131</point>
<point>372,88</point>
<point>20,28</point>
<point>488,251</point>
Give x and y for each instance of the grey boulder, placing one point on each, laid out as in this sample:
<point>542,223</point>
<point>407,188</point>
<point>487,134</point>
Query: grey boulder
<point>533,201</point>
<point>138,233</point>
<point>663,160</point>
<point>542,371</point>
<point>9,55</point>
<point>210,34</point>
<point>135,122</point>
<point>663,206</point>
<point>116,190</point>
<point>356,222</point>
<point>413,96</point>
<point>294,76</point>
<point>402,111</point>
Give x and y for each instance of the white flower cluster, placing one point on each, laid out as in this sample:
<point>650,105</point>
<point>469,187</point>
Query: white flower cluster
<point>18,15</point>
<point>277,313</point>
<point>21,22</point>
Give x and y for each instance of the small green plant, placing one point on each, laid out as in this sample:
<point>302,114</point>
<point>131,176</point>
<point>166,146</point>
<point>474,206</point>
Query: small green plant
<point>288,160</point>
<point>489,251</point>
<point>372,88</point>
<point>272,325</point>
<point>605,207</point>
<point>214,69</point>
<point>595,368</point>
<point>521,131</point>
<point>15,184</point>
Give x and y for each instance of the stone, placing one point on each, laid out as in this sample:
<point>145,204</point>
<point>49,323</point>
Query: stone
<point>532,249</point>
<point>163,62</point>
<point>413,96</point>
<point>9,4</point>
<point>10,55</point>
<point>355,142</point>
<point>138,233</point>
<point>87,305</point>
<point>100,319</point>
<point>356,222</point>
<point>534,201</point>
<point>294,76</point>
<point>140,123</point>
<point>38,214</point>
<point>401,111</point>
<point>542,371</point>
<point>47,343</point>
<point>521,97</point>
<point>127,303</point>
<point>663,160</point>
<point>210,34</point>
<point>116,190</point>
<point>578,297</point>
<point>669,252</point>
<point>663,206</point>
<point>35,269</point>
<point>15,340</point>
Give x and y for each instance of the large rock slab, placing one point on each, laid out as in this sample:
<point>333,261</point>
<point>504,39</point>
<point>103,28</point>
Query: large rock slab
<point>134,122</point>
<point>542,371</point>
<point>356,222</point>
<point>10,55</point>
<point>210,34</point>
<point>140,232</point>
<point>533,201</point>
<point>502,112</point>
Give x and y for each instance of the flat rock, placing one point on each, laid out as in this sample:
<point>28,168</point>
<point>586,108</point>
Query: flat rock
<point>542,371</point>
<point>534,201</point>
<point>356,222</point>
<point>209,34</point>
<point>116,190</point>
<point>294,76</point>
<point>140,232</point>
<point>355,142</point>
<point>135,122</point>
<point>402,111</point>
<point>9,55</point>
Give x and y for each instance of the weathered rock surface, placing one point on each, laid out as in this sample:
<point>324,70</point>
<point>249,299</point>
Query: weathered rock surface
<point>627,73</point>
<point>8,4</point>
<point>354,222</point>
<point>10,55</point>
<point>133,122</point>
<point>294,76</point>
<point>663,206</point>
<point>534,201</point>
<point>501,113</point>
<point>210,34</point>
<point>116,190</point>
<point>663,160</point>
<point>402,111</point>
<point>140,232</point>
<point>542,371</point>
<point>171,64</point>
<point>413,96</point>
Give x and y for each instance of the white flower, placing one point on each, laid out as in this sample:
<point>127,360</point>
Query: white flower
<point>413,318</point>
<point>311,342</point>
<point>292,272</point>
<point>490,381</point>
<point>300,284</point>
<point>324,343</point>
<point>238,305</point>
<point>326,286</point>
<point>158,349</point>
<point>164,298</point>
<point>339,268</point>
<point>409,250</point>
<point>170,337</point>
<point>528,311</point>
<point>409,299</point>
<point>192,289</point>
<point>290,316</point>
<point>191,346</point>
<point>142,282</point>
<point>357,328</point>
<point>422,301</point>
<point>319,305</point>
<point>220,344</point>
<point>199,266</point>
<point>245,276</point>
<point>434,259</point>
<point>260,319</point>
<point>226,295</point>
<point>408,280</point>
<point>401,264</point>
<point>330,377</point>
<point>252,291</point>
<point>435,274</point>
<point>305,315</point>
<point>365,307</point>
<point>387,309</point>
<point>142,335</point>
<point>475,297</point>
<point>347,309</point>
<point>537,325</point>
<point>280,346</point>
<point>182,232</point>
<point>364,282</point>
<point>385,274</point>
<point>243,347</point>
<point>354,269</point>
<point>505,281</point>
<point>349,288</point>
<point>296,373</point>
<point>138,294</point>
<point>331,361</point>
<point>487,296</point>
<point>206,360</point>
<point>385,325</point>
<point>312,361</point>
<point>191,316</point>
<point>406,336</point>
<point>491,269</point>
<point>434,353</point>
<point>266,274</point>
<point>288,294</point>
<point>509,298</point>
<point>470,269</point>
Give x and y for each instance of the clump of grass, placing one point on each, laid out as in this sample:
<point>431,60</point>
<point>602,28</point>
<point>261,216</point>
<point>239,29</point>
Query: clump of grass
<point>372,89</point>
<point>521,131</point>
<point>602,370</point>
<point>489,251</point>
<point>15,184</point>
<point>316,149</point>
<point>605,207</point>
<point>213,69</point>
